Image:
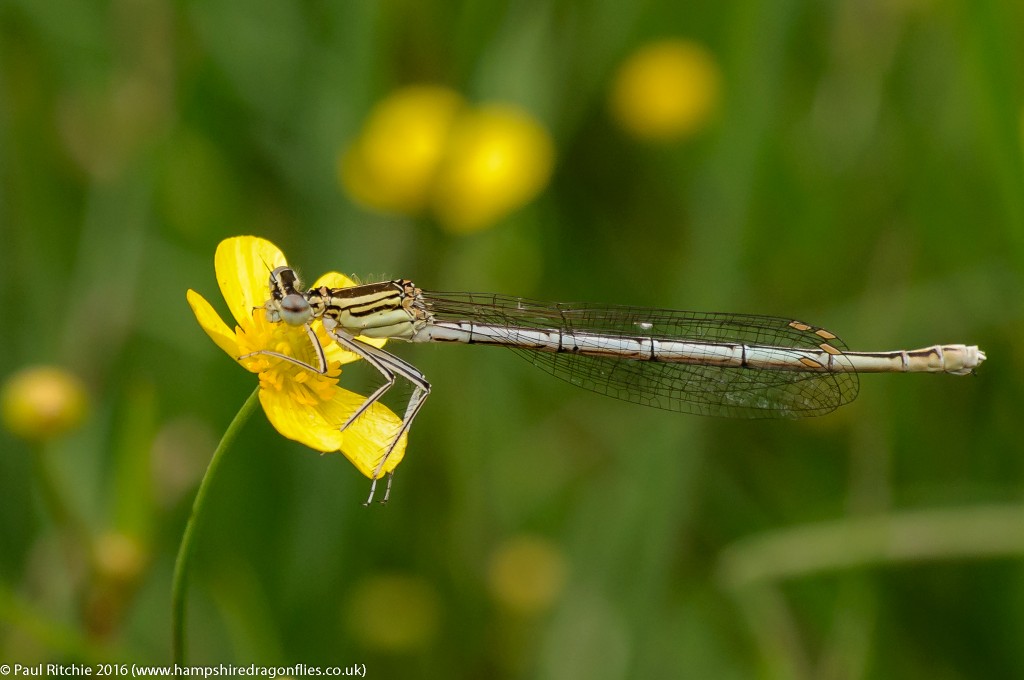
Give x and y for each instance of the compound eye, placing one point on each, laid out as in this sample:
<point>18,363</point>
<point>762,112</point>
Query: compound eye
<point>294,310</point>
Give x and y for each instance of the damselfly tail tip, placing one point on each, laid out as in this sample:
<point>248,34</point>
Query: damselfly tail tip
<point>981,357</point>
<point>971,358</point>
<point>975,356</point>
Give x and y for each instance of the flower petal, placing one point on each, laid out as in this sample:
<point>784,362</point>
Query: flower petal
<point>243,265</point>
<point>212,323</point>
<point>365,440</point>
<point>305,425</point>
<point>334,280</point>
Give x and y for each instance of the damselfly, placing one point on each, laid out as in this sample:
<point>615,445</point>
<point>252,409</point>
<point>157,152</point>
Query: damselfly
<point>735,365</point>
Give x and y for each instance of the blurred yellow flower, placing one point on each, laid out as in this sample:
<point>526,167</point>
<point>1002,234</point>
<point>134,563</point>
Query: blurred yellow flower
<point>666,90</point>
<point>41,402</point>
<point>391,166</point>
<point>119,557</point>
<point>499,158</point>
<point>118,562</point>
<point>424,148</point>
<point>394,612</point>
<point>527,574</point>
<point>301,404</point>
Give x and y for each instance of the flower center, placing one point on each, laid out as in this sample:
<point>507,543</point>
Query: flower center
<point>300,377</point>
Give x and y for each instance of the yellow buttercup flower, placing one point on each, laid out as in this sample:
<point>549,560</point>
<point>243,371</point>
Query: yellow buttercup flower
<point>666,90</point>
<point>41,402</point>
<point>301,404</point>
<point>527,574</point>
<point>498,159</point>
<point>391,166</point>
<point>423,148</point>
<point>394,612</point>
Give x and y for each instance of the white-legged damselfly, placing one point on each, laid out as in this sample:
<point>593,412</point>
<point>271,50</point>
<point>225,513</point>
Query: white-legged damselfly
<point>734,365</point>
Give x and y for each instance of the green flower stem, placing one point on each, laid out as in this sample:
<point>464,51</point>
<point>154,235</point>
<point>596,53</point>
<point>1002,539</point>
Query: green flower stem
<point>78,538</point>
<point>185,550</point>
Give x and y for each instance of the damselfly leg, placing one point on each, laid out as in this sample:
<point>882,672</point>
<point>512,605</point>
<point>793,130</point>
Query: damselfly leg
<point>389,367</point>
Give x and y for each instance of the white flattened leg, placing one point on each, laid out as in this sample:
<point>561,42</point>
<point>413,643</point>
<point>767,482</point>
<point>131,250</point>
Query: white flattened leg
<point>389,366</point>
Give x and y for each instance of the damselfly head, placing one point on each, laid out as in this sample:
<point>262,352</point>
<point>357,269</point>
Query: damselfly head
<point>286,302</point>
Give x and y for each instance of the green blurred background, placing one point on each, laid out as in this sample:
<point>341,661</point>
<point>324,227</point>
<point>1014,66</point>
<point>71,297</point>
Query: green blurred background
<point>864,173</point>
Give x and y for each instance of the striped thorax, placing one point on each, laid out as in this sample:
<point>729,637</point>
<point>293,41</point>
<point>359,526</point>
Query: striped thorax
<point>390,309</point>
